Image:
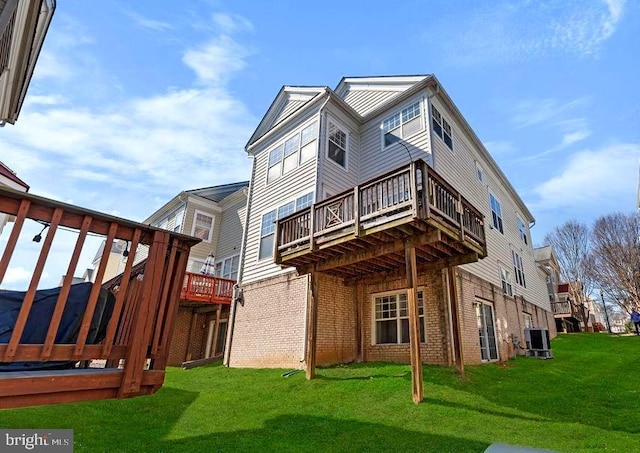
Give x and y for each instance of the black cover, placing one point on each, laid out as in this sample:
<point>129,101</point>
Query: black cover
<point>39,319</point>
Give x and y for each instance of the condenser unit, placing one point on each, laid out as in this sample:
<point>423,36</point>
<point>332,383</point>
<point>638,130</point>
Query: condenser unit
<point>538,343</point>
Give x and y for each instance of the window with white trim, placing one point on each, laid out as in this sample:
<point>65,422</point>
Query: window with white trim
<point>441,127</point>
<point>523,231</point>
<point>527,320</point>
<point>496,213</point>
<point>294,151</point>
<point>228,268</point>
<point>507,285</point>
<point>391,315</point>
<point>337,145</point>
<point>267,234</point>
<point>518,269</point>
<point>202,226</point>
<point>402,124</point>
<point>268,227</point>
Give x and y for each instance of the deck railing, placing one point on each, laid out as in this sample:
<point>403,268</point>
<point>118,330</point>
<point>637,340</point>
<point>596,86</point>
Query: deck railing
<point>561,308</point>
<point>207,288</point>
<point>134,340</point>
<point>394,195</point>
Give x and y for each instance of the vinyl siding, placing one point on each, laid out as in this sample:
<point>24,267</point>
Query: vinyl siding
<point>375,160</point>
<point>335,179</point>
<point>231,227</point>
<point>363,101</point>
<point>267,196</point>
<point>459,168</point>
<point>287,108</point>
<point>200,251</point>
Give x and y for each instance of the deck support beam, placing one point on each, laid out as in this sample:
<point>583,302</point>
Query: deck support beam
<point>414,324</point>
<point>455,319</point>
<point>312,326</point>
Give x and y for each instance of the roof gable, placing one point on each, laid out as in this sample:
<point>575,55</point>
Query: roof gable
<point>289,100</point>
<point>364,94</point>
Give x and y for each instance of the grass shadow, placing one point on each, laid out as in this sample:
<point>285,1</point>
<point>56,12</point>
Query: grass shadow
<point>303,433</point>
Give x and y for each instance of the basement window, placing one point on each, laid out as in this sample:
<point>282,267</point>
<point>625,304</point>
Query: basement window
<point>391,314</point>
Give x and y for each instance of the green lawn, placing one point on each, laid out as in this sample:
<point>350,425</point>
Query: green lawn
<point>585,399</point>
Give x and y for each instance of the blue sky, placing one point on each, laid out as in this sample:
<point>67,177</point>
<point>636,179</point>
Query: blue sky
<point>132,102</point>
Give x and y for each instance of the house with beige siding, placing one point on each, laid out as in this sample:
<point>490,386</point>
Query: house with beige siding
<point>216,216</point>
<point>23,27</point>
<point>8,178</point>
<point>374,211</point>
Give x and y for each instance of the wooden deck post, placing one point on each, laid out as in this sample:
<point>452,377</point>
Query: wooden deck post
<point>216,330</point>
<point>312,326</point>
<point>414,324</point>
<point>455,319</point>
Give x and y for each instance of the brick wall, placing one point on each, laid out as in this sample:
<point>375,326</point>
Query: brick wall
<point>178,349</point>
<point>269,328</point>
<point>508,313</point>
<point>436,350</point>
<point>337,317</point>
<point>184,348</point>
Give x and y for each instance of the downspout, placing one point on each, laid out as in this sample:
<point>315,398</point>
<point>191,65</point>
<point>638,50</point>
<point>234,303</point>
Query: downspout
<point>322,117</point>
<point>237,290</point>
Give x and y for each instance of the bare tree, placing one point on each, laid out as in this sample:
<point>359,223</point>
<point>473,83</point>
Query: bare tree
<point>616,258</point>
<point>571,244</point>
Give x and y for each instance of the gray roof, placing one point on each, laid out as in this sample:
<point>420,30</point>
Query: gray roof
<point>218,193</point>
<point>542,253</point>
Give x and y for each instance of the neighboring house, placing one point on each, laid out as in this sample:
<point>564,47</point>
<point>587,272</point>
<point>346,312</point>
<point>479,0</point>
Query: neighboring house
<point>572,315</point>
<point>336,214</point>
<point>10,179</point>
<point>216,216</point>
<point>23,26</point>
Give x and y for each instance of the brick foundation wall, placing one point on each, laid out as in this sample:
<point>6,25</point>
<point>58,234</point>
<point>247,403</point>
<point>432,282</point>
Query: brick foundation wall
<point>178,349</point>
<point>269,328</point>
<point>184,348</point>
<point>508,314</point>
<point>436,350</point>
<point>337,333</point>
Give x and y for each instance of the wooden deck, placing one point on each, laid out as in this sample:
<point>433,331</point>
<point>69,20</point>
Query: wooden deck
<point>365,231</point>
<point>134,343</point>
<point>206,289</point>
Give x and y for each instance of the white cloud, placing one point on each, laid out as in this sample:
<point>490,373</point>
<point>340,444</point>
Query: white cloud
<point>16,275</point>
<point>124,155</point>
<point>509,32</point>
<point>602,177</point>
<point>498,147</point>
<point>531,112</point>
<point>145,22</point>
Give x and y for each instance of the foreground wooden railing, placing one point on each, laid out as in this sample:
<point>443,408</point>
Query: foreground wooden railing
<point>207,288</point>
<point>135,338</point>
<point>400,193</point>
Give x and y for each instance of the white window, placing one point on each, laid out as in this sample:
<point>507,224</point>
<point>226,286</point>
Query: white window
<point>507,285</point>
<point>518,269</point>
<point>527,320</point>
<point>337,145</point>
<point>294,151</point>
<point>268,228</point>
<point>402,124</point>
<point>228,268</point>
<point>202,226</point>
<point>496,213</point>
<point>441,127</point>
<point>267,233</point>
<point>391,315</point>
<point>523,231</point>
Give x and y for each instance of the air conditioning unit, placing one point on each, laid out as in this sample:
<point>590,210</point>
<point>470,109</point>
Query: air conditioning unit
<point>538,343</point>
